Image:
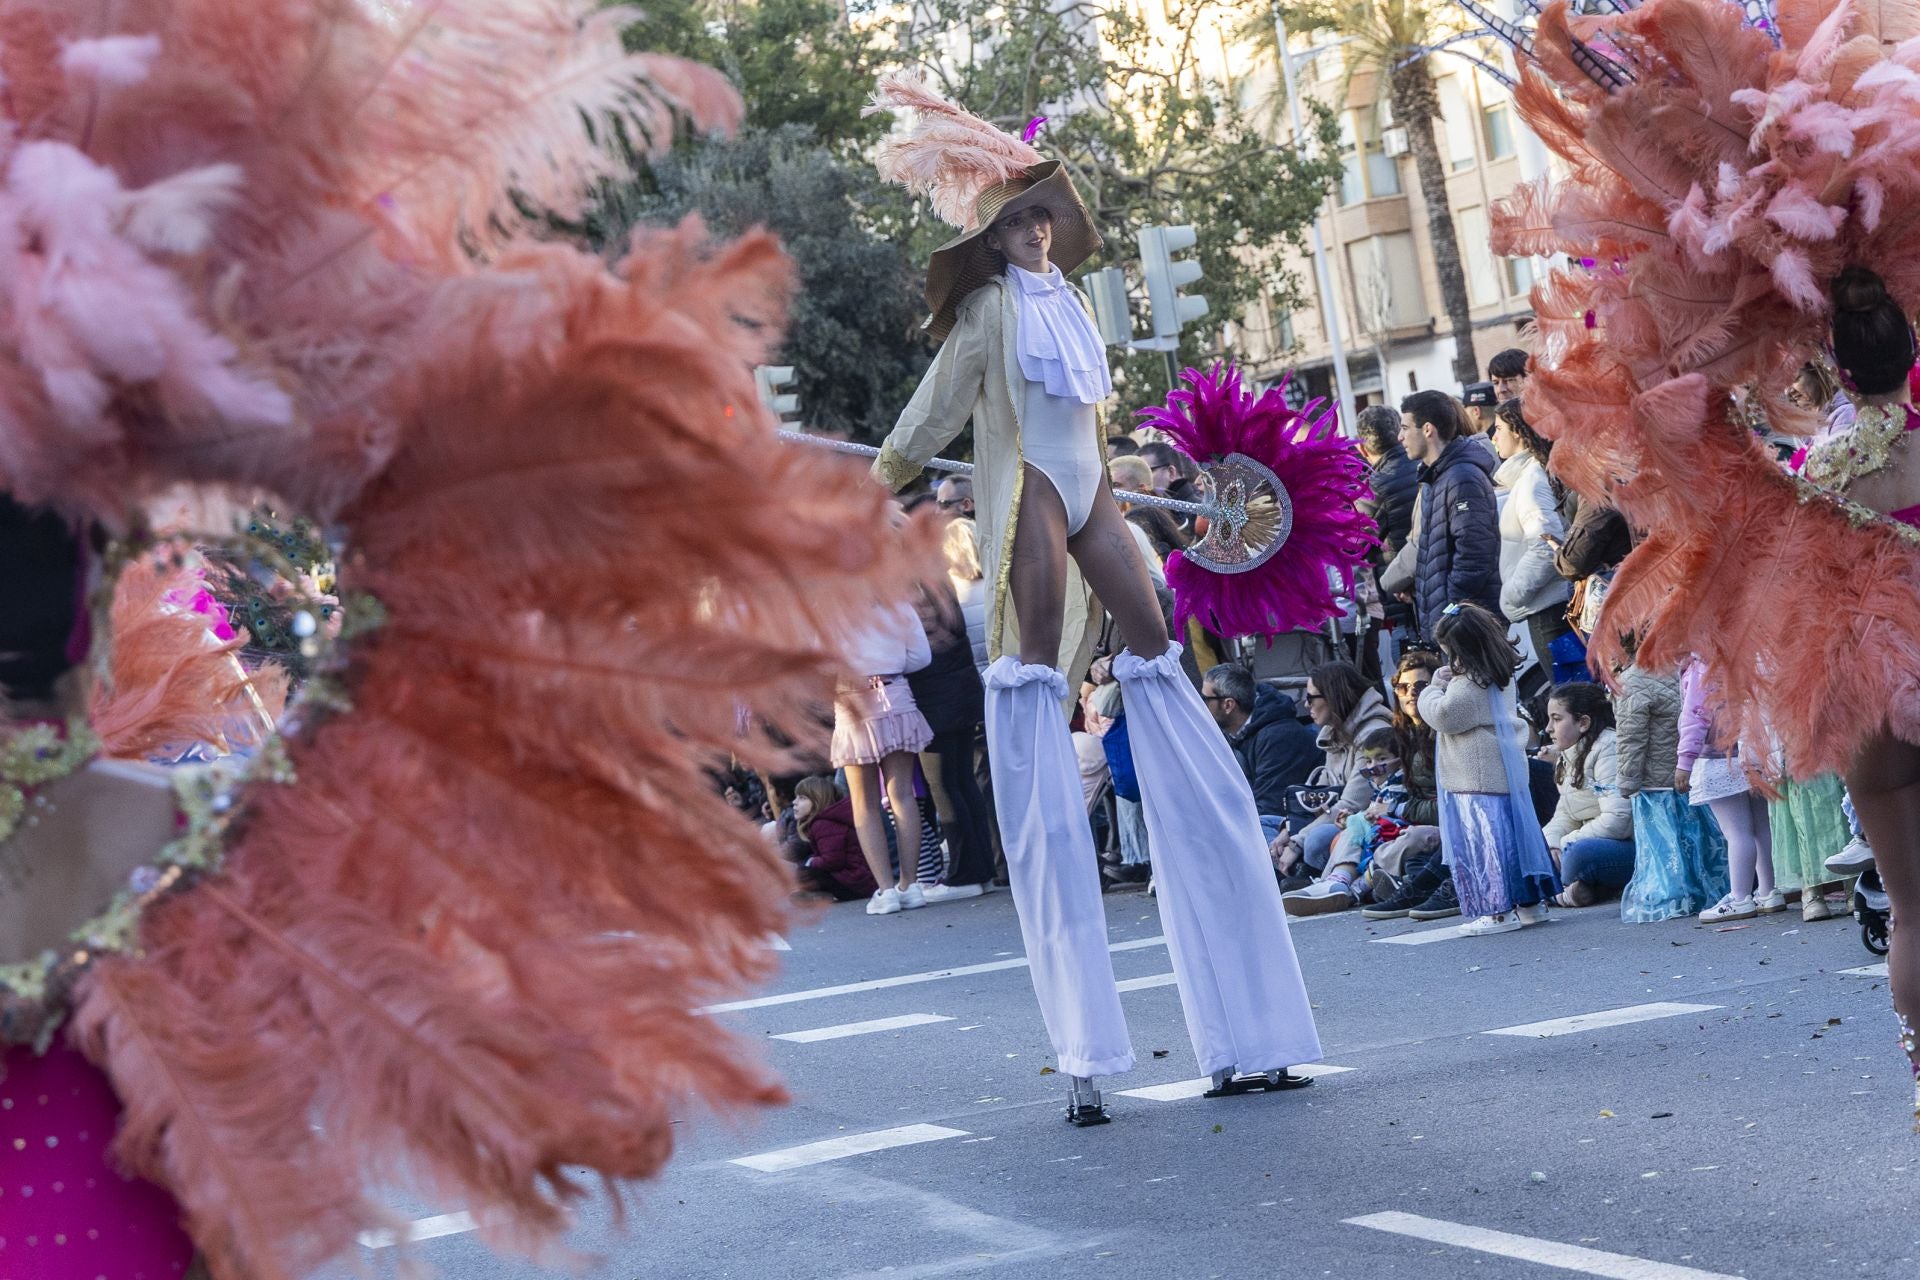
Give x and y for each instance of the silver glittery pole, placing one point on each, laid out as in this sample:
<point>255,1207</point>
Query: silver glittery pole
<point>966,469</point>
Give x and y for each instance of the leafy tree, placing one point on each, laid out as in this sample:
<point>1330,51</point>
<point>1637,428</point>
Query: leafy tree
<point>795,62</point>
<point>1147,137</point>
<point>853,338</point>
<point>1391,39</point>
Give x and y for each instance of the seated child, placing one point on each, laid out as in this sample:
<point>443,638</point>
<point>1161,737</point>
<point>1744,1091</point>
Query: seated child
<point>1383,821</point>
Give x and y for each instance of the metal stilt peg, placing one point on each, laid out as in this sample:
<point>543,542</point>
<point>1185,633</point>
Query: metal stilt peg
<point>1230,1084</point>
<point>1084,1108</point>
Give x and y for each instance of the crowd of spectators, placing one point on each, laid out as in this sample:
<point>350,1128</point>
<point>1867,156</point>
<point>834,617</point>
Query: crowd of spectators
<point>1465,761</point>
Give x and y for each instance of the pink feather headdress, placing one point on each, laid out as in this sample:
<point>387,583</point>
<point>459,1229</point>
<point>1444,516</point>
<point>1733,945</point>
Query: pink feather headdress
<point>1719,174</point>
<point>945,151</point>
<point>1310,476</point>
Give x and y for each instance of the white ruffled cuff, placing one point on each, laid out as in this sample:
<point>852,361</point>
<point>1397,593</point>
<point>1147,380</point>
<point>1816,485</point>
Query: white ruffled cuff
<point>1128,666</point>
<point>1010,673</point>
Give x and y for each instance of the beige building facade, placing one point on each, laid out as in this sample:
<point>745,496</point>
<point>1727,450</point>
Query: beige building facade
<point>1375,229</point>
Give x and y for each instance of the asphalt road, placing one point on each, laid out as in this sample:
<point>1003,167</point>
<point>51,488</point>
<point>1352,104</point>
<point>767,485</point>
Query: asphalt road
<point>1747,1115</point>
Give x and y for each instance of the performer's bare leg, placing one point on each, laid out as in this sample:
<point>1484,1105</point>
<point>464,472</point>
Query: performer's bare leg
<point>1038,577</point>
<point>1884,783</point>
<point>1109,559</point>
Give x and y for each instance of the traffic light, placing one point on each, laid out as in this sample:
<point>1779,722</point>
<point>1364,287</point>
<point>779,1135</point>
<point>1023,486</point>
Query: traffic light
<point>1166,275</point>
<point>1108,290</point>
<point>767,379</point>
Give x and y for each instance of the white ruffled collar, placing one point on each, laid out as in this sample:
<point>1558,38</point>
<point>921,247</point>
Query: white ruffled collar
<point>1058,345</point>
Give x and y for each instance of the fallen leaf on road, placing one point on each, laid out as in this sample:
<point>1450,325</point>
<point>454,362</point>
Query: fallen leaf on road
<point>1606,1115</point>
<point>1218,1129</point>
<point>1663,1115</point>
<point>1161,1053</point>
<point>1047,1071</point>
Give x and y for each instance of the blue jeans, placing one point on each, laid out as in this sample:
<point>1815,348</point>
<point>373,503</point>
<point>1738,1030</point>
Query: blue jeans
<point>1600,864</point>
<point>1318,842</point>
<point>1272,827</point>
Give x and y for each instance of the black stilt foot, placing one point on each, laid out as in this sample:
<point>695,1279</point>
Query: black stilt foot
<point>1084,1108</point>
<point>1228,1085</point>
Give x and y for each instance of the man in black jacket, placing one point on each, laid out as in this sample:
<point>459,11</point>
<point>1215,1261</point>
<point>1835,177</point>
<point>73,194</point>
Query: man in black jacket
<point>1393,477</point>
<point>1263,726</point>
<point>1458,548</point>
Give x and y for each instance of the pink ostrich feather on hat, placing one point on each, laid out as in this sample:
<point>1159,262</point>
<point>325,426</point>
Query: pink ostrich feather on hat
<point>946,151</point>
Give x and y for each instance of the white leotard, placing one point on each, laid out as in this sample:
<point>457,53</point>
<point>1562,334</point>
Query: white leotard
<point>1057,436</point>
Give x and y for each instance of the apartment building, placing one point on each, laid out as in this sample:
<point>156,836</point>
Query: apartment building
<point>1375,229</point>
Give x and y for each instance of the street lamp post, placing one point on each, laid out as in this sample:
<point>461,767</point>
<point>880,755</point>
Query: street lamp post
<point>1329,303</point>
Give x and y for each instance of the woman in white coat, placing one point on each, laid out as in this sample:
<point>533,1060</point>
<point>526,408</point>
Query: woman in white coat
<point>1532,592</point>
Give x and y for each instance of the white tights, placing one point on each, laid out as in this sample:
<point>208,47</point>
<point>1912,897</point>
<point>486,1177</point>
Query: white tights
<point>1743,821</point>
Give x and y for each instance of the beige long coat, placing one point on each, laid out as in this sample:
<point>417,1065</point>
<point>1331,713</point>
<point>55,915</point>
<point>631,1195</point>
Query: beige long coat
<point>976,375</point>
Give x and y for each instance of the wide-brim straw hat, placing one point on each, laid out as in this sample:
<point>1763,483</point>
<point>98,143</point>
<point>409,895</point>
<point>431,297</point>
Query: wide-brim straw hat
<point>966,262</point>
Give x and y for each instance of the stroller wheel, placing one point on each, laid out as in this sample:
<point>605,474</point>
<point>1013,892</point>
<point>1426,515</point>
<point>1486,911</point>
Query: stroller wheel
<point>1873,934</point>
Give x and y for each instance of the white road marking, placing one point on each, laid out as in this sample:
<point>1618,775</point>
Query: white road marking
<point>1870,971</point>
<point>1142,984</point>
<point>1548,1253</point>
<point>854,1144</point>
<point>1181,1089</point>
<point>1420,937</point>
<point>777,943</point>
<point>904,980</point>
<point>1605,1018</point>
<point>447,1224</point>
<point>868,1028</point>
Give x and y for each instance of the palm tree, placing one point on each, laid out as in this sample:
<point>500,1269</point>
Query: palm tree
<point>1391,39</point>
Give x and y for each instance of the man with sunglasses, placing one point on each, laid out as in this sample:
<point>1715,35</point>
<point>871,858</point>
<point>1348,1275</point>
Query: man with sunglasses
<point>955,496</point>
<point>1275,750</point>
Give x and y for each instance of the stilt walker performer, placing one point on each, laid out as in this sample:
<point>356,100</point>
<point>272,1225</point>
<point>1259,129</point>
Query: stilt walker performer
<point>1020,357</point>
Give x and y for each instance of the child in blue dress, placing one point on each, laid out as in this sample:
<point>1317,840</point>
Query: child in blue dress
<point>1490,836</point>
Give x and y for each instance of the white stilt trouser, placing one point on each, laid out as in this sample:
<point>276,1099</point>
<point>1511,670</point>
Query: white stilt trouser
<point>1240,983</point>
<point>1053,868</point>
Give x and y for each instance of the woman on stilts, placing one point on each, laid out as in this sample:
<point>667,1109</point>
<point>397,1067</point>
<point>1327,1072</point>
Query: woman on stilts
<point>1020,357</point>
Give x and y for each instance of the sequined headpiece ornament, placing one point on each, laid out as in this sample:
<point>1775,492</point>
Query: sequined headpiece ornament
<point>1288,487</point>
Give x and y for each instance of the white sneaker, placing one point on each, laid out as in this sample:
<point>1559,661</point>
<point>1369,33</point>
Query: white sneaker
<point>1535,914</point>
<point>884,902</point>
<point>1852,860</point>
<point>1485,925</point>
<point>912,897</point>
<point>951,892</point>
<point>1769,902</point>
<point>1317,899</point>
<point>1814,907</point>
<point>1731,908</point>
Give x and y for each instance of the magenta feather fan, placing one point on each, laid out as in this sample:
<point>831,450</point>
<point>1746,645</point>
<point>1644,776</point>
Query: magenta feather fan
<point>1291,528</point>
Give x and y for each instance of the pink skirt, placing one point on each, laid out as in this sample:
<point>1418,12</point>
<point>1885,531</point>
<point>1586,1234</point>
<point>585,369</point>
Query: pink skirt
<point>875,719</point>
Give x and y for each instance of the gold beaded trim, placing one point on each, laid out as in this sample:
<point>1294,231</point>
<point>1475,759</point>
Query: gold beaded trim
<point>1866,448</point>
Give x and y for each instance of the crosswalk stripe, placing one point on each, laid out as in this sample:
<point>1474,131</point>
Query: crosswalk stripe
<point>905,980</point>
<point>845,1029</point>
<point>446,1224</point>
<point>1605,1018</point>
<point>1181,1089</point>
<point>1547,1253</point>
<point>854,1144</point>
<point>1420,937</point>
<point>1142,984</point>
